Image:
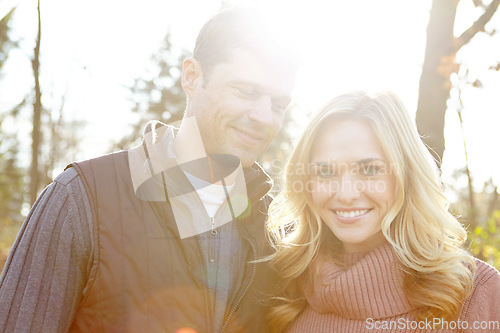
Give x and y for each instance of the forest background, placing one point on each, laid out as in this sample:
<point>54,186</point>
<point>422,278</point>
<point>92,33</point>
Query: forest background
<point>79,81</point>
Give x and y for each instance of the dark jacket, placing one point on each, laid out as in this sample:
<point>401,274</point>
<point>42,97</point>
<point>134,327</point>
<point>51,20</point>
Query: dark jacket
<point>144,277</point>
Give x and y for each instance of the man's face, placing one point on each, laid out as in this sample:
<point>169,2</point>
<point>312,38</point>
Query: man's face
<point>241,105</point>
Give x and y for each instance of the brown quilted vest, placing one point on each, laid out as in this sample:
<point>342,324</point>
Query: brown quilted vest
<point>144,278</point>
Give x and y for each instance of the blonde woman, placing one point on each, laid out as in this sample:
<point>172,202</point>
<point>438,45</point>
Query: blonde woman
<point>363,236</point>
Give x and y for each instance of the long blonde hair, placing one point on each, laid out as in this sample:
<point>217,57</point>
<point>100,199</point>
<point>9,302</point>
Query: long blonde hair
<point>426,238</point>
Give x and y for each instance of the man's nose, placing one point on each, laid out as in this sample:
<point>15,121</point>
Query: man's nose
<point>262,111</point>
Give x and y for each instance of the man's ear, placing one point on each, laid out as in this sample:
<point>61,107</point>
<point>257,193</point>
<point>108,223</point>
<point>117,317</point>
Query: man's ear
<point>192,75</point>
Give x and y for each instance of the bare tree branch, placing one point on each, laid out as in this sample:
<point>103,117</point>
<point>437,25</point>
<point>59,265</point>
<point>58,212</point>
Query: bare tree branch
<point>477,26</point>
<point>37,113</point>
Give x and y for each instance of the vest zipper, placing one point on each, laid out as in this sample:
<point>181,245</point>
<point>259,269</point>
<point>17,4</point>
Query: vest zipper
<point>254,265</point>
<point>210,256</point>
<point>210,291</point>
<point>211,243</point>
<point>244,292</point>
<point>212,248</point>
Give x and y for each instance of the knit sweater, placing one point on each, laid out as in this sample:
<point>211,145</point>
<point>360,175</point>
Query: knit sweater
<point>44,278</point>
<point>366,295</point>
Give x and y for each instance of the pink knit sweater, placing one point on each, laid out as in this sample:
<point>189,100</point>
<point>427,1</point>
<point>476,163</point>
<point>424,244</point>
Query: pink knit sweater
<point>367,296</point>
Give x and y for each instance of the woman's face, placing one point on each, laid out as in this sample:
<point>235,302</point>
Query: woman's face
<point>352,184</point>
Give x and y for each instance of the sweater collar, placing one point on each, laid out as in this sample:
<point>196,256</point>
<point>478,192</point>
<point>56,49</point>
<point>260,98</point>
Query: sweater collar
<point>359,286</point>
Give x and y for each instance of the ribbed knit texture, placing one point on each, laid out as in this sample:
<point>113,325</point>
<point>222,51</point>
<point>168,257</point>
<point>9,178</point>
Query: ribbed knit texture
<point>42,282</point>
<point>355,291</point>
<point>372,287</point>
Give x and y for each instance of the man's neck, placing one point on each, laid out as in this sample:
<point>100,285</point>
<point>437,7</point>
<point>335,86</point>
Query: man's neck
<point>188,143</point>
<point>189,147</point>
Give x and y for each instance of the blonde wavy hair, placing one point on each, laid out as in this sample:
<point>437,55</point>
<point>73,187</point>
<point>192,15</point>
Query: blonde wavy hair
<point>425,236</point>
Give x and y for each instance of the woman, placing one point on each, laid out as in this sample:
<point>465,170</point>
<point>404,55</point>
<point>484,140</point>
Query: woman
<point>363,236</point>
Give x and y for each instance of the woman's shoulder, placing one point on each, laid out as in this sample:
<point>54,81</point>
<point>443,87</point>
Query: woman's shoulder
<point>483,305</point>
<point>485,274</point>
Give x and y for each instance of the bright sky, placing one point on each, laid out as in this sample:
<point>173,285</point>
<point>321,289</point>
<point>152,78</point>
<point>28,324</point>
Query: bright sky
<point>92,50</point>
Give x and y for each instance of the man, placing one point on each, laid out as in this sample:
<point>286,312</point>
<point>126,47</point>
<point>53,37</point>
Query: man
<point>155,238</point>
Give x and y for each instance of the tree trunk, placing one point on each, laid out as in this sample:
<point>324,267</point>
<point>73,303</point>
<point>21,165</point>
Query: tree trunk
<point>440,50</point>
<point>37,114</point>
<point>435,84</point>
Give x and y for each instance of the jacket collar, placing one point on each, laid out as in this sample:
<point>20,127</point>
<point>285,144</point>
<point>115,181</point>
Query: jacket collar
<point>259,183</point>
<point>156,153</point>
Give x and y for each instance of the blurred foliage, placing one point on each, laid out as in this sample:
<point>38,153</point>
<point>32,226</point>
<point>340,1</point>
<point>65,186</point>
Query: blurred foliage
<point>11,190</point>
<point>482,221</point>
<point>158,95</point>
<point>274,159</point>
<point>11,175</point>
<point>6,43</point>
<point>485,240</point>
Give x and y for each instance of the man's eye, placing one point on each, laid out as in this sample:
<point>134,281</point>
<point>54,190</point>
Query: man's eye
<point>246,93</point>
<point>279,107</point>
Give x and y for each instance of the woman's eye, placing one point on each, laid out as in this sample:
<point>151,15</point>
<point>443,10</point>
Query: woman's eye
<point>371,169</point>
<point>325,171</point>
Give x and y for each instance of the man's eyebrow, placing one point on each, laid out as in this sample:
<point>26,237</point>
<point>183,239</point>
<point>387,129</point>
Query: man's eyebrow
<point>287,98</point>
<point>284,98</point>
<point>242,83</point>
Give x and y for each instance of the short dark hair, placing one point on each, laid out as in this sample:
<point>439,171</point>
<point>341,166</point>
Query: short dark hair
<point>244,27</point>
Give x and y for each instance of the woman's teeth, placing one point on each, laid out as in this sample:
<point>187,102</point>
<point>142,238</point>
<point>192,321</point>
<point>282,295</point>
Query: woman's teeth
<point>351,213</point>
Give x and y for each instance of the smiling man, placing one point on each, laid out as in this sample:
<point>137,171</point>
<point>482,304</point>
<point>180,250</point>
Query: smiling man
<point>241,103</point>
<point>105,248</point>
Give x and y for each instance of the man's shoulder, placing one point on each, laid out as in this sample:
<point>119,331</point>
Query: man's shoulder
<point>75,169</point>
<point>117,156</point>
<point>95,171</point>
<point>101,163</point>
<point>67,176</point>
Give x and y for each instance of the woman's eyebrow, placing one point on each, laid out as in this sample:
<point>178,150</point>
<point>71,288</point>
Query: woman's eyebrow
<point>369,160</point>
<point>321,163</point>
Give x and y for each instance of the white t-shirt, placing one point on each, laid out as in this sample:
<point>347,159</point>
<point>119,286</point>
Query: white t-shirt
<point>212,195</point>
